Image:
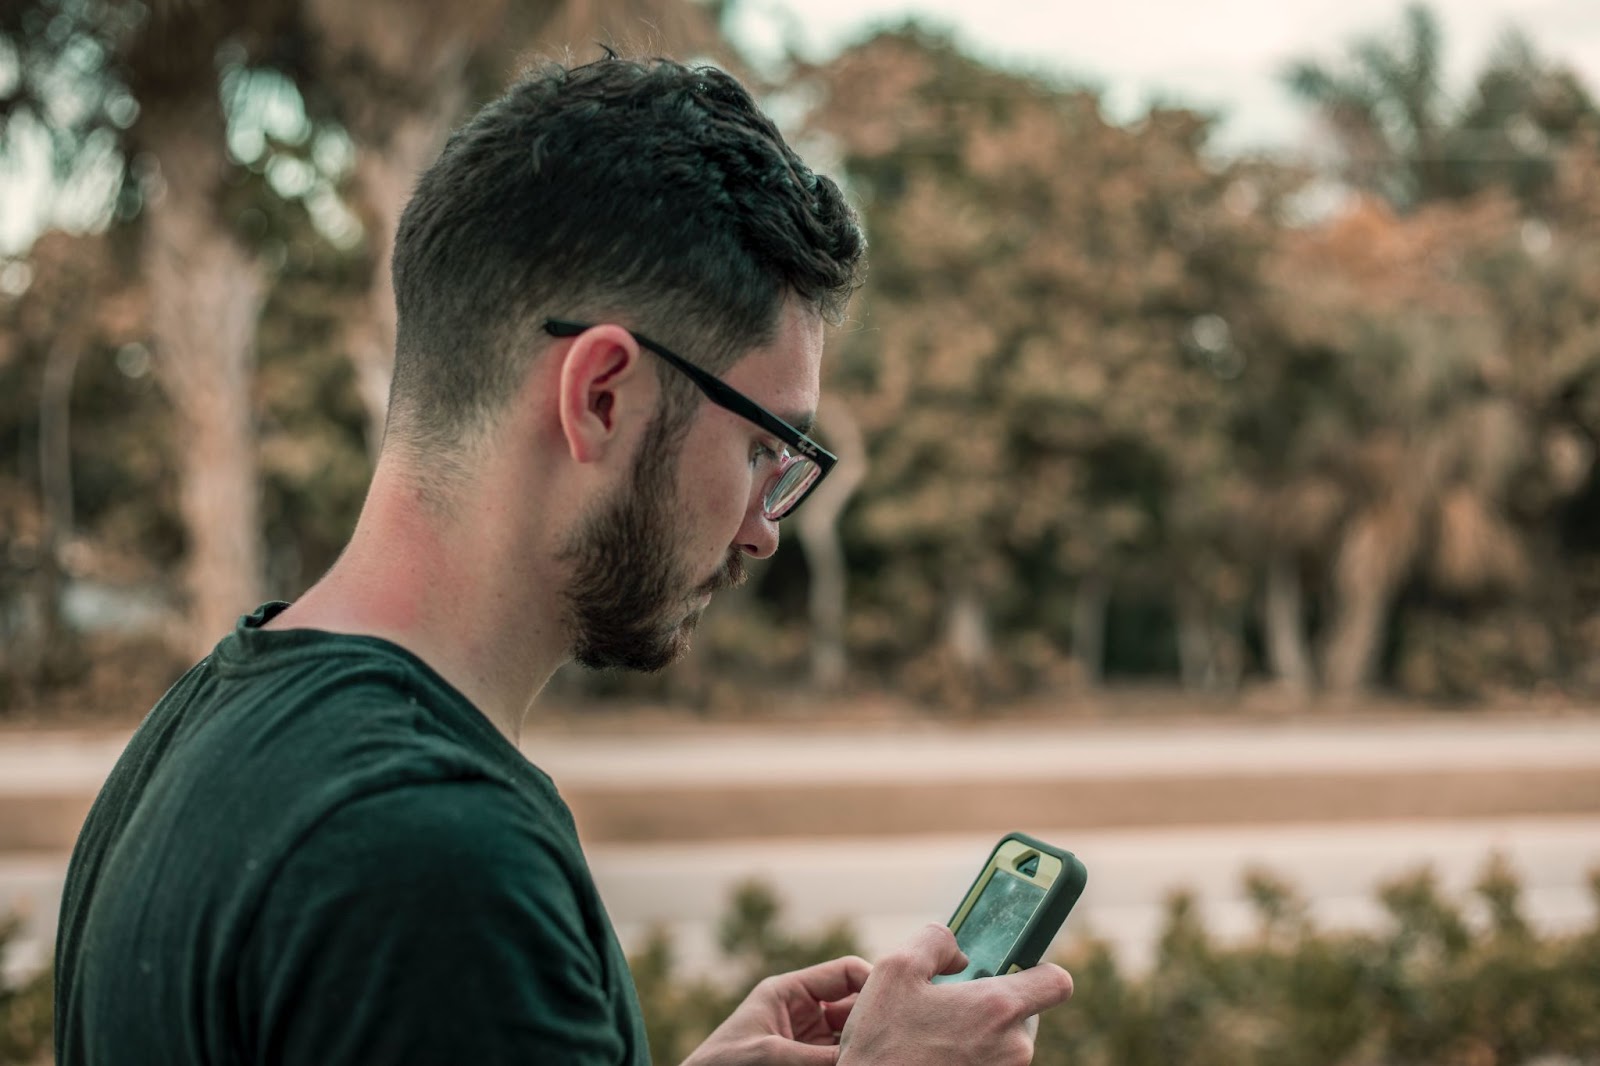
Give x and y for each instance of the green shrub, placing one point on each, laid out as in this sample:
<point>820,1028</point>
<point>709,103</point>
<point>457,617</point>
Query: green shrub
<point>1430,989</point>
<point>681,1012</point>
<point>25,1010</point>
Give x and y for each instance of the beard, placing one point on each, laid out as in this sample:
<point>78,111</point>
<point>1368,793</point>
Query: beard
<point>629,602</point>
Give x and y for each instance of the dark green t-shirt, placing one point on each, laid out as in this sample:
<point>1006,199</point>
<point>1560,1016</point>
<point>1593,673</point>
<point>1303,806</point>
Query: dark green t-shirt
<point>315,851</point>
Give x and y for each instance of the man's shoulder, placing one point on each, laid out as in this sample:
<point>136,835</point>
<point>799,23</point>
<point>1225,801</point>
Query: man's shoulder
<point>329,721</point>
<point>468,830</point>
<point>240,776</point>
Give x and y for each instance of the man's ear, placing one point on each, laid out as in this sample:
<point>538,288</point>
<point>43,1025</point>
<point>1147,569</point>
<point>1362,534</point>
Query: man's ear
<point>593,403</point>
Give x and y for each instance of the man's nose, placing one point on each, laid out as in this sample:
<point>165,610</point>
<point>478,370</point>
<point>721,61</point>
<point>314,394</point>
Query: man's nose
<point>758,537</point>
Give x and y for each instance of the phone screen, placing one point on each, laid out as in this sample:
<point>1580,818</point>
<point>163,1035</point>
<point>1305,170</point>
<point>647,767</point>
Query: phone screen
<point>994,924</point>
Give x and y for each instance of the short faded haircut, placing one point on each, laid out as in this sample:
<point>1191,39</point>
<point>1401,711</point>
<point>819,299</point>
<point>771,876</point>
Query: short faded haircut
<point>643,192</point>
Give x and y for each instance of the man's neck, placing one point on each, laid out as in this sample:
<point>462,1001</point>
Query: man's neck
<point>454,590</point>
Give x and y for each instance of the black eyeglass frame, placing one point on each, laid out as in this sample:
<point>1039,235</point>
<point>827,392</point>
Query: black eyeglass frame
<point>730,399</point>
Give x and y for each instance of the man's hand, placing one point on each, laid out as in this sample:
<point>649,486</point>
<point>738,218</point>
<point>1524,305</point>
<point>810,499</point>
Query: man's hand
<point>902,1019</point>
<point>897,1018</point>
<point>793,1019</point>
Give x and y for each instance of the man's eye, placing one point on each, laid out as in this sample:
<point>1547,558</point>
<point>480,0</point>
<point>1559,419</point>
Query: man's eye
<point>760,453</point>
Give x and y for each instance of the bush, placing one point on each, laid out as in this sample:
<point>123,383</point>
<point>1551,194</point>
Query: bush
<point>1432,989</point>
<point>26,1015</point>
<point>681,1012</point>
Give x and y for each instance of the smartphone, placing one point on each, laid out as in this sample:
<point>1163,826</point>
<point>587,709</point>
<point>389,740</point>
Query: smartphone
<point>1015,907</point>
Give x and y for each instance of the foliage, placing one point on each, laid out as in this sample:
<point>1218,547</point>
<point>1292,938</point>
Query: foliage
<point>1046,345</point>
<point>1128,407</point>
<point>1402,136</point>
<point>1432,987</point>
<point>25,1010</point>
<point>93,506</point>
<point>1440,984</point>
<point>680,1012</point>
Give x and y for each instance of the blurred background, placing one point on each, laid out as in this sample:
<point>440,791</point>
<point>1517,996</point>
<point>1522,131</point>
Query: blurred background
<point>1219,493</point>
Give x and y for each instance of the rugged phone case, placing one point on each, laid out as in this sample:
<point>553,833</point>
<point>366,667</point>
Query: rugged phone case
<point>1052,910</point>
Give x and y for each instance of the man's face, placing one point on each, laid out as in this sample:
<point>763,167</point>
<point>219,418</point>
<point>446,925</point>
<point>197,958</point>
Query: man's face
<point>632,601</point>
<point>646,564</point>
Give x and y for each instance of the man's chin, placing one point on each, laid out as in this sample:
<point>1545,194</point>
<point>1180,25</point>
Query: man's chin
<point>642,656</point>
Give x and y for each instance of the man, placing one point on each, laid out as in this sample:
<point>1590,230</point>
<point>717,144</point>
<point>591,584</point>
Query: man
<point>323,846</point>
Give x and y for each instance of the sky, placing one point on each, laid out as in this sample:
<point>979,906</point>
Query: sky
<point>1219,55</point>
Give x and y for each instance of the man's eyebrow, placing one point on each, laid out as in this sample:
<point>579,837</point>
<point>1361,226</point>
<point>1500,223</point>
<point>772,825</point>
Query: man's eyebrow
<point>805,421</point>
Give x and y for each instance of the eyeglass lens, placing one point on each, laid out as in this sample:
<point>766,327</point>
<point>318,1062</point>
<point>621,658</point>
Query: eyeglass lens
<point>790,487</point>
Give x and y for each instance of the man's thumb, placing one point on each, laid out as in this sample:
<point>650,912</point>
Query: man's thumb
<point>935,952</point>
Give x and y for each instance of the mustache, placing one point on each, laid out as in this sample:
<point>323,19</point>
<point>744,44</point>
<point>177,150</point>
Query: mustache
<point>731,576</point>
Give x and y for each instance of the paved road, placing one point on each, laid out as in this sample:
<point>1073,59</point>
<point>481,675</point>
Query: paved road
<point>888,885</point>
<point>1068,751</point>
<point>67,762</point>
<point>886,888</point>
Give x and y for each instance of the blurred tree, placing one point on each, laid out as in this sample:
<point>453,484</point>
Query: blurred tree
<point>1114,405</point>
<point>1462,469</point>
<point>150,107</point>
<point>1422,432</point>
<point>1387,109</point>
<point>114,81</point>
<point>1522,115</point>
<point>818,527</point>
<point>81,418</point>
<point>206,292</point>
<point>1043,421</point>
<point>1401,136</point>
<point>397,76</point>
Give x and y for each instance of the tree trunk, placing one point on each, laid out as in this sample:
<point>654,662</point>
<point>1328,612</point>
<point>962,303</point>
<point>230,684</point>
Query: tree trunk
<point>206,293</point>
<point>55,484</point>
<point>1373,559</point>
<point>1090,602</point>
<point>385,174</point>
<point>967,630</point>
<point>1288,655</point>
<point>1197,656</point>
<point>817,524</point>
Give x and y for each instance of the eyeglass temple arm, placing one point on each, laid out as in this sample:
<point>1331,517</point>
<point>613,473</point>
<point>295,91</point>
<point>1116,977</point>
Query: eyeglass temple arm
<point>722,394</point>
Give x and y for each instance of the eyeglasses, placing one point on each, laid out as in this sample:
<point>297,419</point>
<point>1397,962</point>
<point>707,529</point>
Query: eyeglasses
<point>802,464</point>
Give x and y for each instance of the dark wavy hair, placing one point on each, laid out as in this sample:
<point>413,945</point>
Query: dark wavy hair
<point>644,191</point>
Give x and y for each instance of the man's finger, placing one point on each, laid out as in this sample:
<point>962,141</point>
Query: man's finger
<point>933,951</point>
<point>957,963</point>
<point>828,982</point>
<point>836,1014</point>
<point>1037,990</point>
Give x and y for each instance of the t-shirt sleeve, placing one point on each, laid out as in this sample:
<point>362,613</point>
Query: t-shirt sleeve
<point>426,924</point>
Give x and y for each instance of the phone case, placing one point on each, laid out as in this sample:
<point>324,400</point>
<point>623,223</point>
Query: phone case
<point>1052,912</point>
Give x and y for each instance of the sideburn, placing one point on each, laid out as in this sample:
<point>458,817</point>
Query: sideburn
<point>624,577</point>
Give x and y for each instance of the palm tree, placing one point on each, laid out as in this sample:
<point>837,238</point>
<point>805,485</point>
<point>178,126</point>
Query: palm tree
<point>1387,109</point>
<point>1403,139</point>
